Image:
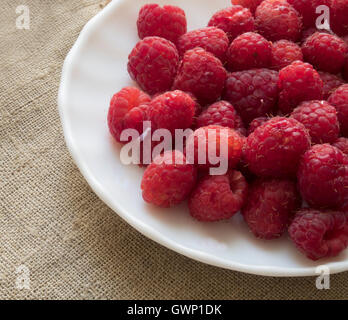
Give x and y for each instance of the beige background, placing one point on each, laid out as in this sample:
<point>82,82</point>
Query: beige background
<point>51,221</point>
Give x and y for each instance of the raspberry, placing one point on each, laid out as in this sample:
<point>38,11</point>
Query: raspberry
<point>323,176</point>
<point>285,52</point>
<point>202,74</point>
<point>270,206</point>
<point>250,4</point>
<point>331,83</point>
<point>208,139</point>
<point>310,31</point>
<point>319,234</point>
<point>325,52</point>
<point>277,20</point>
<point>257,122</point>
<point>211,39</point>
<point>221,113</point>
<point>339,99</point>
<point>339,12</point>
<point>275,148</point>
<point>298,82</point>
<point>127,111</point>
<point>320,119</point>
<point>342,144</point>
<point>168,22</point>
<point>254,93</point>
<point>307,10</point>
<point>172,110</point>
<point>218,197</point>
<point>234,21</point>
<point>168,180</point>
<point>248,51</point>
<point>153,64</point>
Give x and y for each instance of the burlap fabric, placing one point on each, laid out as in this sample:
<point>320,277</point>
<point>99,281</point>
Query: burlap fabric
<point>52,223</point>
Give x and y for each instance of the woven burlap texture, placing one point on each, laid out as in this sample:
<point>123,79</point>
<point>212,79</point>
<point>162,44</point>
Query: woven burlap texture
<point>51,222</point>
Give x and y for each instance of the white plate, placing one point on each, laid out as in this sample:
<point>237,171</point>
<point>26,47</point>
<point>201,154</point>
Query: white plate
<point>95,68</point>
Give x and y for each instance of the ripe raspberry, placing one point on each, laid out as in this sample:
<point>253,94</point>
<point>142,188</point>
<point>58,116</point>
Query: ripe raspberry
<point>257,122</point>
<point>339,99</point>
<point>319,234</point>
<point>250,4</point>
<point>342,144</point>
<point>270,206</point>
<point>127,111</point>
<point>221,113</point>
<point>298,82</point>
<point>285,52</point>
<point>234,21</point>
<point>218,197</point>
<point>153,64</point>
<point>254,93</point>
<point>307,10</point>
<point>168,180</point>
<point>309,32</point>
<point>339,13</point>
<point>248,51</point>
<point>323,176</point>
<point>202,74</point>
<point>207,140</point>
<point>320,119</point>
<point>331,83</point>
<point>277,20</point>
<point>325,52</point>
<point>275,148</point>
<point>172,110</point>
<point>168,22</point>
<point>211,39</point>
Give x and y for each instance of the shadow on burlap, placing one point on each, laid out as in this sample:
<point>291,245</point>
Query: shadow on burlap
<point>51,221</point>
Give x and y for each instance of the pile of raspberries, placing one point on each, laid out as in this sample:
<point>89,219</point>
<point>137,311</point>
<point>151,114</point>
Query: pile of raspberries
<point>261,71</point>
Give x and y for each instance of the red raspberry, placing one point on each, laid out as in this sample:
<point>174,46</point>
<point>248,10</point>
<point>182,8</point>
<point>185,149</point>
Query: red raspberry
<point>285,52</point>
<point>325,52</point>
<point>250,4</point>
<point>309,32</point>
<point>254,93</point>
<point>275,148</point>
<point>319,234</point>
<point>270,206</point>
<point>277,20</point>
<point>211,39</point>
<point>339,99</point>
<point>172,110</point>
<point>153,64</point>
<point>257,122</point>
<point>339,13</point>
<point>202,74</point>
<point>342,144</point>
<point>298,82</point>
<point>323,176</point>
<point>248,51</point>
<point>221,113</point>
<point>307,9</point>
<point>320,119</point>
<point>168,22</point>
<point>331,83</point>
<point>234,21</point>
<point>127,111</point>
<point>218,197</point>
<point>207,139</point>
<point>168,180</point>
